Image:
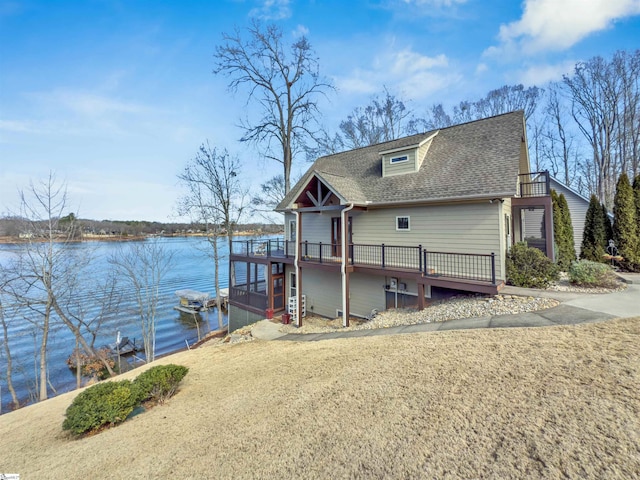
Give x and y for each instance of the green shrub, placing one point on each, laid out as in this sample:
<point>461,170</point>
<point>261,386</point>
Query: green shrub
<point>160,383</point>
<point>592,274</point>
<point>106,403</point>
<point>529,267</point>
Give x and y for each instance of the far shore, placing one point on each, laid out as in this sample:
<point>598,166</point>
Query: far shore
<point>88,237</point>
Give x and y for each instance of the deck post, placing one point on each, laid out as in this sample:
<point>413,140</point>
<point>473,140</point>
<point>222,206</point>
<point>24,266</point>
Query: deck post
<point>298,267</point>
<point>420,258</point>
<point>493,268</point>
<point>420,296</point>
<point>320,252</point>
<point>383,255</point>
<point>424,261</point>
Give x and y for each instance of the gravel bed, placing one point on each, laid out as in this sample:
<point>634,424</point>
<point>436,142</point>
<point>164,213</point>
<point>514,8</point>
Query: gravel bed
<point>563,285</point>
<point>453,308</point>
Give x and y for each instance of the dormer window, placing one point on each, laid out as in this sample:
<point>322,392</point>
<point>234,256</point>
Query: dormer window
<point>399,159</point>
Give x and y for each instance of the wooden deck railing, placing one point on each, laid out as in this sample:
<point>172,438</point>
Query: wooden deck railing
<point>535,184</point>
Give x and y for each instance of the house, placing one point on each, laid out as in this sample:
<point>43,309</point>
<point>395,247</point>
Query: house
<point>578,206</point>
<point>397,223</point>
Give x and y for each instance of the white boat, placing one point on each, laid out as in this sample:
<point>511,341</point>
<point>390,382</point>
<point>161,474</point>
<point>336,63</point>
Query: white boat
<point>192,301</point>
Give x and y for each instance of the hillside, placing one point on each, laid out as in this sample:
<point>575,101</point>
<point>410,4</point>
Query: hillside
<point>512,403</point>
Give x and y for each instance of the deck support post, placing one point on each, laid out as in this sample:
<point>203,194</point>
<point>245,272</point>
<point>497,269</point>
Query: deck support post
<point>420,296</point>
<point>298,269</point>
<point>344,216</point>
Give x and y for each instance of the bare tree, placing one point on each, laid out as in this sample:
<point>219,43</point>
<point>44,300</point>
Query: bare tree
<point>508,98</point>
<point>271,194</point>
<point>284,86</point>
<point>143,265</point>
<point>384,118</point>
<point>559,147</point>
<point>44,271</point>
<point>595,95</point>
<point>217,198</point>
<point>43,261</point>
<point>437,118</point>
<point>4,281</point>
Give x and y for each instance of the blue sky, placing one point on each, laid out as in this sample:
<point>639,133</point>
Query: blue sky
<point>115,96</point>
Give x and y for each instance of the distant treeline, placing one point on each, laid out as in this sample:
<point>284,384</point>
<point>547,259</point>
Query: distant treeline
<point>17,227</point>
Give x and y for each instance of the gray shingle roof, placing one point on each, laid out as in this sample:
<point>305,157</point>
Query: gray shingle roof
<point>475,159</point>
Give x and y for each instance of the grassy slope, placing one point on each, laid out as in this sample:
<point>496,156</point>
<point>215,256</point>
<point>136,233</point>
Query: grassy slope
<point>517,403</point>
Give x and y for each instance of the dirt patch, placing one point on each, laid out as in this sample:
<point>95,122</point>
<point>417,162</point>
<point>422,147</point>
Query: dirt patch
<point>553,402</point>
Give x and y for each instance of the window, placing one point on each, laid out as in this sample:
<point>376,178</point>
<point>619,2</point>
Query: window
<point>292,230</point>
<point>400,159</point>
<point>292,284</point>
<point>402,223</point>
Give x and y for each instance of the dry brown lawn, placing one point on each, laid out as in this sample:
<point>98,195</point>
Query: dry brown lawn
<point>557,402</point>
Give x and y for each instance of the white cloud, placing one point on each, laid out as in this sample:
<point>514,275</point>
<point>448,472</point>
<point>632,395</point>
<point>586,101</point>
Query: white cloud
<point>90,104</point>
<point>481,68</point>
<point>17,126</point>
<point>557,25</point>
<point>541,74</point>
<point>272,10</point>
<point>300,31</point>
<point>415,75</point>
<point>434,3</point>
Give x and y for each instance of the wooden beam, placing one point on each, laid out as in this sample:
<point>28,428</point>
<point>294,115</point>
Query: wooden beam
<point>326,197</point>
<point>313,200</point>
<point>321,209</point>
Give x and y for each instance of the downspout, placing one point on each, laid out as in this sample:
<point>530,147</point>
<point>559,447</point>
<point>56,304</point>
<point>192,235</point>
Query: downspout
<point>345,255</point>
<point>297,268</point>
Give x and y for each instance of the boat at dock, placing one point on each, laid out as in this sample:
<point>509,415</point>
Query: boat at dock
<point>193,301</point>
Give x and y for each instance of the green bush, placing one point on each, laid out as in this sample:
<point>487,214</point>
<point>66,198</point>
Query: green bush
<point>529,267</point>
<point>592,274</point>
<point>106,403</point>
<point>160,383</point>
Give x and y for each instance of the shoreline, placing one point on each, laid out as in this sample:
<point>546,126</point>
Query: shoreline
<point>11,240</point>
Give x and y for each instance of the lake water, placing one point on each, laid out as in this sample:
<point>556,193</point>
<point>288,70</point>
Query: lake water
<point>193,268</point>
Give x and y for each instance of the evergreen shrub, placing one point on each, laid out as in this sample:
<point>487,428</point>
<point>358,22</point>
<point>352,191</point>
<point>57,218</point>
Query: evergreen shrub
<point>586,273</point>
<point>106,403</point>
<point>529,267</point>
<point>159,383</point>
<point>594,238</point>
<point>625,225</point>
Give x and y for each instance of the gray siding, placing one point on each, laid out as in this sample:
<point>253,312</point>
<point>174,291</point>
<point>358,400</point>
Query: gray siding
<point>578,207</point>
<point>323,291</point>
<point>316,227</point>
<point>389,169</point>
<point>239,318</point>
<point>366,293</point>
<point>461,228</point>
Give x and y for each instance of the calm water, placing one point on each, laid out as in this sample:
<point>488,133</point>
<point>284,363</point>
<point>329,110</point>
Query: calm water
<point>192,268</point>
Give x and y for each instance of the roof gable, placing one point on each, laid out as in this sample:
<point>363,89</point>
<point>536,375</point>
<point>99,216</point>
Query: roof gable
<point>472,160</point>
